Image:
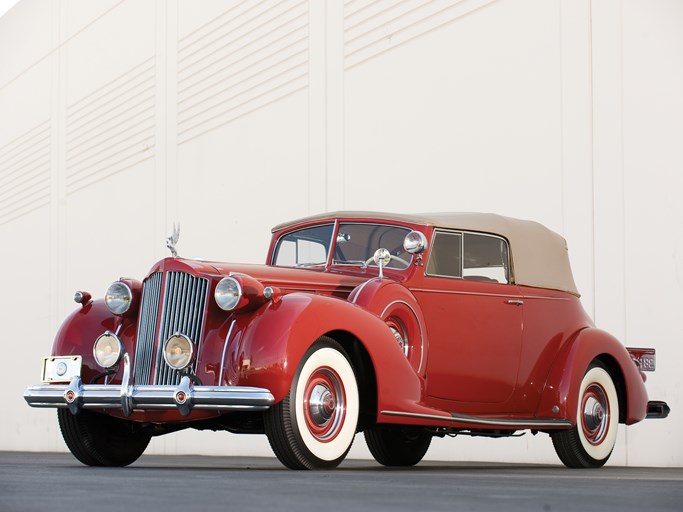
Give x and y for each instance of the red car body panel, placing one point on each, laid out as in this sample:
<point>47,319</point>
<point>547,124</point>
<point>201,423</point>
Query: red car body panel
<point>561,387</point>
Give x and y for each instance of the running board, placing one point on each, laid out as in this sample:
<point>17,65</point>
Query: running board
<point>476,420</point>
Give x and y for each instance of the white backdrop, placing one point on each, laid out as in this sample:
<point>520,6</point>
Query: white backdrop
<point>118,117</point>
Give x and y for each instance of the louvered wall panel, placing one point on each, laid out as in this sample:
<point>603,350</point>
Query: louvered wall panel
<point>112,128</point>
<point>25,173</point>
<point>252,55</point>
<point>372,27</point>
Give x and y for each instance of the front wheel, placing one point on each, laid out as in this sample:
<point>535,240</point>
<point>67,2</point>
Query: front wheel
<point>314,425</point>
<point>100,440</point>
<point>397,446</point>
<point>590,443</point>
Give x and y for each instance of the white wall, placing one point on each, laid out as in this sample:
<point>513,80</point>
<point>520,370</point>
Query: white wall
<point>120,117</point>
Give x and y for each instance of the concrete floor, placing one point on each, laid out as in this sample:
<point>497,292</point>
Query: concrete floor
<point>48,482</point>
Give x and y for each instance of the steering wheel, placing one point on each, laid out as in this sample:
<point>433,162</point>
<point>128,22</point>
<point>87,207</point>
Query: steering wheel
<point>391,257</point>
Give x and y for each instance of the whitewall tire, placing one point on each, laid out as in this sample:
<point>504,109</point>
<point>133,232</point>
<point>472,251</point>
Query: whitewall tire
<point>314,426</point>
<point>590,443</point>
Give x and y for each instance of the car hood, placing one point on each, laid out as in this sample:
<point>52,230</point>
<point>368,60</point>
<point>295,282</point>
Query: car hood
<point>285,278</point>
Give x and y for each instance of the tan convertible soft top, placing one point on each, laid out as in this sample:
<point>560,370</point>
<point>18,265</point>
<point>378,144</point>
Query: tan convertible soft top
<point>539,255</point>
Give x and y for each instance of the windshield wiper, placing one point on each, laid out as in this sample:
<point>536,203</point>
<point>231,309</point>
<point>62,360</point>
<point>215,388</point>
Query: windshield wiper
<point>354,263</point>
<point>311,264</point>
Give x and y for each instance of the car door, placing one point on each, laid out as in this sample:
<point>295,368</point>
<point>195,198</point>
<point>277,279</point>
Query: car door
<point>473,316</point>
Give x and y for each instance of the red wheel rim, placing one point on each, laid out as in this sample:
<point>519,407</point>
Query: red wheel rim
<point>595,414</point>
<point>324,404</point>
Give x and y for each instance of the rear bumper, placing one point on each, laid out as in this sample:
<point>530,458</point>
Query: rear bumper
<point>126,397</point>
<point>657,409</point>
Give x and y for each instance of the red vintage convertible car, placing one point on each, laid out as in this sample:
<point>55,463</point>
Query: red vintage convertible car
<point>403,327</point>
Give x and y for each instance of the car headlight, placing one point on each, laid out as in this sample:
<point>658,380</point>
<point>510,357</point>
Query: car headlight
<point>228,293</point>
<point>240,293</point>
<point>118,298</point>
<point>108,350</point>
<point>178,351</point>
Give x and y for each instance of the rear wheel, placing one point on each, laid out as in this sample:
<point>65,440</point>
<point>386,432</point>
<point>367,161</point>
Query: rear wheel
<point>100,440</point>
<point>590,443</point>
<point>314,425</point>
<point>397,446</point>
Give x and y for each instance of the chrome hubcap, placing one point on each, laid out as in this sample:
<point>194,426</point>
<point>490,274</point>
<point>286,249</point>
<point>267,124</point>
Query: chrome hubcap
<point>324,404</point>
<point>595,414</point>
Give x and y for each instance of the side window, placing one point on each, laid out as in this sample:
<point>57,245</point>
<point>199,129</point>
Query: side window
<point>485,258</point>
<point>470,256</point>
<point>446,255</point>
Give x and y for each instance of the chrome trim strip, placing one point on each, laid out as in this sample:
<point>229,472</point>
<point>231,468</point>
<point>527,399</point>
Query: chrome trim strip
<point>111,396</point>
<point>545,298</point>
<point>126,393</point>
<point>333,245</point>
<point>225,349</point>
<point>485,294</point>
<point>457,292</point>
<point>309,285</point>
<point>463,418</point>
<point>360,290</point>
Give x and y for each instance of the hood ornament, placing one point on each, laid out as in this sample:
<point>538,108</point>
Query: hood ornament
<point>173,239</point>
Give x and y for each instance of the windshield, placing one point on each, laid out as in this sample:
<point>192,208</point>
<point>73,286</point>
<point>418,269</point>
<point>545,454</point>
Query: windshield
<point>355,244</point>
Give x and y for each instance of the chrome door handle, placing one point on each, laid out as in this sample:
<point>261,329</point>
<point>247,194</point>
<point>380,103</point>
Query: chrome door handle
<point>515,302</point>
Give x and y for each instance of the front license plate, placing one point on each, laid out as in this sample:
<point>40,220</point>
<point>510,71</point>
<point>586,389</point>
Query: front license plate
<point>61,368</point>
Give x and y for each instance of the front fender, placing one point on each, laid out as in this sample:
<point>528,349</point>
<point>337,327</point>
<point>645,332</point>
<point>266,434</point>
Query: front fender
<point>267,347</point>
<point>79,331</point>
<point>562,386</point>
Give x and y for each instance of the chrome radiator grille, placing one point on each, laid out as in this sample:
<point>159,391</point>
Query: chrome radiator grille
<point>181,310</point>
<point>147,329</point>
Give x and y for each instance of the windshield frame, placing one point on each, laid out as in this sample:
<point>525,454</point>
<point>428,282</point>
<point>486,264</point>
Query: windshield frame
<point>330,262</point>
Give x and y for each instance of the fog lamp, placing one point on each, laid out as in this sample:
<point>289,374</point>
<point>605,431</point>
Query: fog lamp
<point>178,351</point>
<point>108,350</point>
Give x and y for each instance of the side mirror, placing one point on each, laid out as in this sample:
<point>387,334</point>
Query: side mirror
<point>382,257</point>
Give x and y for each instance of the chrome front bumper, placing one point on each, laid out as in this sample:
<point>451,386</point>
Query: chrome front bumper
<point>184,397</point>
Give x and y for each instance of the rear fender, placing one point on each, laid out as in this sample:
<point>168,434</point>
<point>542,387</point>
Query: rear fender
<point>562,386</point>
<point>267,346</point>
